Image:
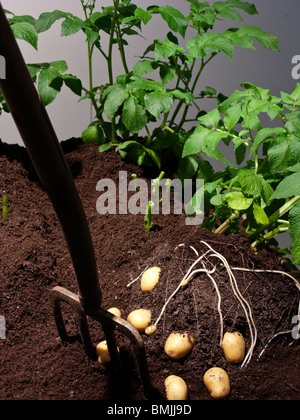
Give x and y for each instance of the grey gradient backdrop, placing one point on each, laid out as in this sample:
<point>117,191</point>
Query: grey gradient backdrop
<point>267,69</point>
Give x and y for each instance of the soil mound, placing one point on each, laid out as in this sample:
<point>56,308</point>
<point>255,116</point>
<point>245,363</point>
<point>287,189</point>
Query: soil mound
<point>34,364</point>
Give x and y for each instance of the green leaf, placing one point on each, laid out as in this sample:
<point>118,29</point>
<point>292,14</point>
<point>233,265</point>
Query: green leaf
<point>187,167</point>
<point>205,141</point>
<point>266,39</point>
<point>232,116</point>
<point>294,219</point>
<point>260,215</point>
<point>73,83</point>
<point>210,119</point>
<point>266,191</point>
<point>296,253</point>
<point>293,126</point>
<point>174,18</point>
<point>154,157</point>
<point>230,14</point>
<point>187,97</point>
<point>237,201</point>
<point>158,102</point>
<point>46,20</point>
<point>164,49</point>
<point>251,183</point>
<point>71,25</point>
<point>26,32</point>
<point>49,85</point>
<point>264,134</point>
<point>116,97</point>
<point>134,115</point>
<point>145,84</point>
<point>242,5</point>
<point>144,67</point>
<point>143,15</point>
<point>201,45</point>
<point>283,152</point>
<point>288,187</point>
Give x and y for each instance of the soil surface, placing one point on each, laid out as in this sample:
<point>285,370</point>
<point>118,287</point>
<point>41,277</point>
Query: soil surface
<point>36,365</point>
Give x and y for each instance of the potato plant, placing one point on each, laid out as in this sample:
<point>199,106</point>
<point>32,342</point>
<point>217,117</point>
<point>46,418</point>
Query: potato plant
<point>162,89</point>
<point>262,184</point>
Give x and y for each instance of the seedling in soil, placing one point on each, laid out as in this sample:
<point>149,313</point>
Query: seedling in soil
<point>148,217</point>
<point>4,208</point>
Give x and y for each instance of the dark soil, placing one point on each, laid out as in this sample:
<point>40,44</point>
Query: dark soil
<point>35,364</point>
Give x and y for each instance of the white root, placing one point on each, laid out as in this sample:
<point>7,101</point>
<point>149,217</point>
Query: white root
<point>192,271</point>
<point>243,302</point>
<point>297,284</point>
<point>133,281</point>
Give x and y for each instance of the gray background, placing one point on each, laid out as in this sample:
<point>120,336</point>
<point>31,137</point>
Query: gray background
<point>267,69</point>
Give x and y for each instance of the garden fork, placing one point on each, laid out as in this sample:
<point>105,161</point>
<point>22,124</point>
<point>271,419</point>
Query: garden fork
<point>54,173</point>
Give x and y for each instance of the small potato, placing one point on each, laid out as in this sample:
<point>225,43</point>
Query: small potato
<point>150,279</point>
<point>140,319</point>
<point>234,347</point>
<point>151,329</point>
<point>179,345</point>
<point>115,311</point>
<point>176,388</point>
<point>103,353</point>
<point>217,382</point>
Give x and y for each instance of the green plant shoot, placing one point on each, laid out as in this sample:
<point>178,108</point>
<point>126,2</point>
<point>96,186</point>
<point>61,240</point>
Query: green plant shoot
<point>4,208</point>
<point>148,217</point>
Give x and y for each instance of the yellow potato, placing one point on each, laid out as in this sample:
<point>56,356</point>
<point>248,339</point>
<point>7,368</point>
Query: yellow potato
<point>179,345</point>
<point>115,311</point>
<point>151,329</point>
<point>217,382</point>
<point>140,319</point>
<point>150,279</point>
<point>103,353</point>
<point>234,347</point>
<point>176,388</point>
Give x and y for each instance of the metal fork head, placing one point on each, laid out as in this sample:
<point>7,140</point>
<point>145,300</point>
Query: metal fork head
<point>109,323</point>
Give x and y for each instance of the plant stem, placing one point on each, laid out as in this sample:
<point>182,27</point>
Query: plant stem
<point>4,210</point>
<point>121,46</point>
<point>226,224</point>
<point>90,58</point>
<point>203,64</point>
<point>275,216</point>
<point>148,217</point>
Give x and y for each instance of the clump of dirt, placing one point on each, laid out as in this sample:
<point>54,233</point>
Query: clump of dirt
<point>35,364</point>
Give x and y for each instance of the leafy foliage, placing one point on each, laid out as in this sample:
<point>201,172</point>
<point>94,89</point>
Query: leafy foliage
<point>127,105</point>
<point>265,190</point>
